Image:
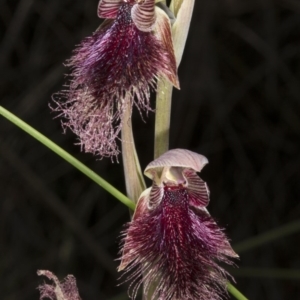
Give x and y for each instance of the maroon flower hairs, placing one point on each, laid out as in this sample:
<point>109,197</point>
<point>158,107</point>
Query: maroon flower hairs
<point>115,68</point>
<point>172,242</point>
<point>65,290</point>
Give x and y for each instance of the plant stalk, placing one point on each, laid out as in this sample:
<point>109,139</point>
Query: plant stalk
<point>235,292</point>
<point>134,179</point>
<point>162,117</point>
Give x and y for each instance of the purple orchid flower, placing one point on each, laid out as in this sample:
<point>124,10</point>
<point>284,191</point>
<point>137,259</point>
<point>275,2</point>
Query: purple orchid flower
<point>172,242</point>
<point>65,290</point>
<point>115,68</point>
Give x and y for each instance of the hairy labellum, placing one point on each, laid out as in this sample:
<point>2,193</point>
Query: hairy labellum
<point>65,290</point>
<point>172,242</point>
<point>115,68</point>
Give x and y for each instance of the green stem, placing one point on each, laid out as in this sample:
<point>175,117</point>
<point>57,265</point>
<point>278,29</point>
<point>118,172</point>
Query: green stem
<point>183,12</point>
<point>235,292</point>
<point>134,179</point>
<point>162,117</point>
<point>66,156</point>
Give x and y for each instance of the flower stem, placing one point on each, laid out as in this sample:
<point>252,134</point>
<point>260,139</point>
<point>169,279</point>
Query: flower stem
<point>182,10</point>
<point>162,117</point>
<point>235,292</point>
<point>134,179</point>
<point>66,156</point>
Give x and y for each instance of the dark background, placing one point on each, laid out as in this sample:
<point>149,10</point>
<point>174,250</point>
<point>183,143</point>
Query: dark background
<point>239,105</point>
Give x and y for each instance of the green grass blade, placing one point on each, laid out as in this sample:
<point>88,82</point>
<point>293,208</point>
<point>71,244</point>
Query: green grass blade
<point>235,292</point>
<point>66,156</point>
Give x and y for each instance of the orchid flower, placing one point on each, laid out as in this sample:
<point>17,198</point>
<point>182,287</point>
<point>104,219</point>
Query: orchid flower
<point>115,68</point>
<point>172,240</point>
<point>65,290</point>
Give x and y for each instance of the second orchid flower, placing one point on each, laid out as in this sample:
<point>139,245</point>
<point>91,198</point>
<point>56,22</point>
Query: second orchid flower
<point>115,68</point>
<point>172,245</point>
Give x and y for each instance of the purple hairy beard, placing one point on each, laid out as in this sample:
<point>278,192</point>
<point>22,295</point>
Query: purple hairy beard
<point>177,246</point>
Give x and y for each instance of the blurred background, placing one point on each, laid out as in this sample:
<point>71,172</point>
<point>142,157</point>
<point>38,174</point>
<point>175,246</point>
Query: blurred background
<point>239,105</point>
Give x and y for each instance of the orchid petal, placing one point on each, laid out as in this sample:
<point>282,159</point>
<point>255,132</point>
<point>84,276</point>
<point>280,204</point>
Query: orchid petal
<point>176,158</point>
<point>164,34</point>
<point>108,9</point>
<point>183,11</point>
<point>156,195</point>
<point>197,189</point>
<point>143,15</point>
<point>140,210</point>
<point>142,204</point>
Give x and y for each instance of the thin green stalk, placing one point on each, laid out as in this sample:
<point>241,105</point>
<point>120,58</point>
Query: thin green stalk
<point>135,183</point>
<point>162,117</point>
<point>182,11</point>
<point>235,292</point>
<point>66,156</point>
